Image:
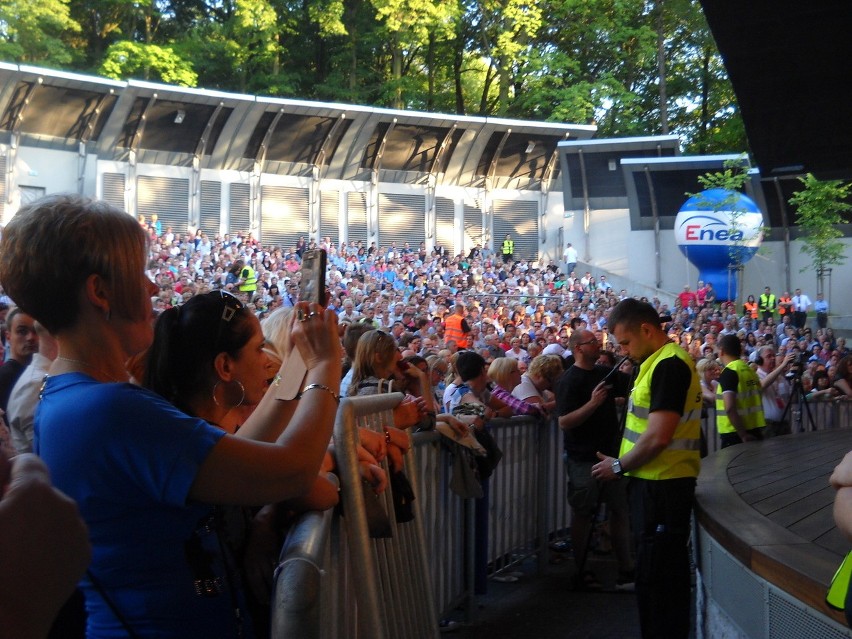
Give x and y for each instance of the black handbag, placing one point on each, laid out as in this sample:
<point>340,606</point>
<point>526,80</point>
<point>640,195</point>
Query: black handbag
<point>486,465</point>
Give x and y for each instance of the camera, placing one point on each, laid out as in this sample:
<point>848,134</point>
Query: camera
<point>797,366</point>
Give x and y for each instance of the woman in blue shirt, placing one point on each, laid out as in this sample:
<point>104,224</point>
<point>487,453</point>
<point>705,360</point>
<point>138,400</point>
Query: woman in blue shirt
<point>145,474</point>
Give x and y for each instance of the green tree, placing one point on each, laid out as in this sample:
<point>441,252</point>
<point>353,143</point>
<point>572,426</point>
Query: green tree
<point>408,28</point>
<point>703,105</point>
<point>37,32</point>
<point>820,206</point>
<point>594,62</point>
<point>148,62</point>
<point>507,30</point>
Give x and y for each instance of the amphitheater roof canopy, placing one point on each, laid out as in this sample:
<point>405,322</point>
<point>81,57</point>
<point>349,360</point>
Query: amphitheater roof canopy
<point>789,64</point>
<point>160,124</point>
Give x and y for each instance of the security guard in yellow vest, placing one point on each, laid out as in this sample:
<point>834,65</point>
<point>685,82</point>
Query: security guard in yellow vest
<point>766,304</point>
<point>660,454</point>
<point>739,406</point>
<point>248,281</point>
<point>841,481</point>
<point>508,249</point>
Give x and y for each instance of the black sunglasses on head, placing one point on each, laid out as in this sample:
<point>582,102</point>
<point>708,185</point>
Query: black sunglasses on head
<point>231,305</point>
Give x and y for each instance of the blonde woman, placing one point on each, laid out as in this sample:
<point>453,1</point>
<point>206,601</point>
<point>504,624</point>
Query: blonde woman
<point>505,376</point>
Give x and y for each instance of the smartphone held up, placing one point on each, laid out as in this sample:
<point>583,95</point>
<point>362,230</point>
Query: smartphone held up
<point>312,290</point>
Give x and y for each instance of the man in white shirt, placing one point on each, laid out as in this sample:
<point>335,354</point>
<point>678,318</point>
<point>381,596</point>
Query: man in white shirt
<point>775,390</point>
<point>570,256</point>
<point>801,304</point>
<point>25,393</point>
<point>821,308</point>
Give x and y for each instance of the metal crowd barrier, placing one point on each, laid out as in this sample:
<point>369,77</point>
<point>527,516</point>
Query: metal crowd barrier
<point>802,417</point>
<point>448,523</point>
<point>526,497</point>
<point>296,601</point>
<point>402,586</point>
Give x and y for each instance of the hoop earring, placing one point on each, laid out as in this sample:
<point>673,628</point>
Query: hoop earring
<point>232,406</point>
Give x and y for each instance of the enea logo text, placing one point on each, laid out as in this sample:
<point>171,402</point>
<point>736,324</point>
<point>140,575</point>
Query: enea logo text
<point>703,228</point>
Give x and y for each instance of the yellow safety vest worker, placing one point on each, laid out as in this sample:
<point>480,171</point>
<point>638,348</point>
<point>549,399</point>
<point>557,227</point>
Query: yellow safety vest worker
<point>453,331</point>
<point>250,283</point>
<point>508,247</point>
<point>681,458</point>
<point>749,400</point>
<point>767,302</point>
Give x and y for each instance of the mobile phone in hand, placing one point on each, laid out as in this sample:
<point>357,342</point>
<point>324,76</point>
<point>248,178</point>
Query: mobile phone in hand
<point>312,285</point>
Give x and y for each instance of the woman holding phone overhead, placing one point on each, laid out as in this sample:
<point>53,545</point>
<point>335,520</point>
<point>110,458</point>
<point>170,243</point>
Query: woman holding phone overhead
<point>144,473</point>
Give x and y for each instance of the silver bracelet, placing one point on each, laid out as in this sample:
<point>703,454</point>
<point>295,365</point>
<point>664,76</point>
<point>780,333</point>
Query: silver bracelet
<point>320,387</point>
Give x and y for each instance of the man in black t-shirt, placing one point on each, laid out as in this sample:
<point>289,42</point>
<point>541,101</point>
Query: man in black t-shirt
<point>586,410</point>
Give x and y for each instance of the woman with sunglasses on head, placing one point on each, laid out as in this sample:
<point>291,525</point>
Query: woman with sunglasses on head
<point>144,473</point>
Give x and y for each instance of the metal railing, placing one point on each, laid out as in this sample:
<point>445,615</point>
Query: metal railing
<point>802,417</point>
<point>402,585</point>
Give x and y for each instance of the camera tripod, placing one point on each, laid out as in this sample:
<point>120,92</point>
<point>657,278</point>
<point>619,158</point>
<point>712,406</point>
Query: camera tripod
<point>800,398</point>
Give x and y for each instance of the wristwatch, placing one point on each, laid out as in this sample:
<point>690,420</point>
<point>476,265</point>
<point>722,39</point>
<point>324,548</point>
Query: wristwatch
<point>616,467</point>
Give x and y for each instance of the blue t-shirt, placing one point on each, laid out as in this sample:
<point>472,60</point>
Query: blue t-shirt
<point>128,458</point>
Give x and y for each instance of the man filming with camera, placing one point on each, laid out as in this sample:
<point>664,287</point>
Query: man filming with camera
<point>775,389</point>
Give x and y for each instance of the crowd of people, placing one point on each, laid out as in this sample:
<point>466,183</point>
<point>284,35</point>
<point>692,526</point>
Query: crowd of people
<point>470,337</point>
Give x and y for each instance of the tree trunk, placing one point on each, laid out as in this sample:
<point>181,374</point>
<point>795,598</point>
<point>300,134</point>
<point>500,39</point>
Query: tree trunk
<point>430,73</point>
<point>458,62</point>
<point>705,99</point>
<point>504,80</point>
<point>396,75</point>
<point>661,70</point>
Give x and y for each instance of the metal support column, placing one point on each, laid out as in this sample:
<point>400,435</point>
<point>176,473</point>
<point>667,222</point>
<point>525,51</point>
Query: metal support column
<point>17,118</point>
<point>257,171</point>
<point>373,199</point>
<point>487,201</point>
<point>130,195</point>
<point>200,148</point>
<point>431,185</point>
<point>314,211</point>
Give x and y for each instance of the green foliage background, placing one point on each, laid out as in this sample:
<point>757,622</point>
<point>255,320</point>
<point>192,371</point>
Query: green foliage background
<point>632,67</point>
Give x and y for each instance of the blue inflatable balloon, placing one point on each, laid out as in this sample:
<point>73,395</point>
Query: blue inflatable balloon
<point>715,230</point>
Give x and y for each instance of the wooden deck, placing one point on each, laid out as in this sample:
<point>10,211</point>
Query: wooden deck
<point>770,505</point>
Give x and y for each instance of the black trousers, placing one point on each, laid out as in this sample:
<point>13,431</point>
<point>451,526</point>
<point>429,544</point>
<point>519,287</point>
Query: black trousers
<point>662,512</point>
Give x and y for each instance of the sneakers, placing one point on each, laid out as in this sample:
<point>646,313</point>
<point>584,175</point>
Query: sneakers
<point>626,582</point>
<point>560,546</point>
<point>504,578</point>
<point>587,582</point>
<point>448,625</point>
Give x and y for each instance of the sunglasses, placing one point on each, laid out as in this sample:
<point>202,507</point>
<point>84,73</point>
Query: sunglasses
<point>230,307</point>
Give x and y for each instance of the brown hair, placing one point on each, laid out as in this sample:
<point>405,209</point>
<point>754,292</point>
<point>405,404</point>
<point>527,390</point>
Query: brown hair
<point>372,345</point>
<point>50,248</point>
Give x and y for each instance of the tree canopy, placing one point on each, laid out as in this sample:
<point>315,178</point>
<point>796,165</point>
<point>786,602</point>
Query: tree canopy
<point>632,67</point>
